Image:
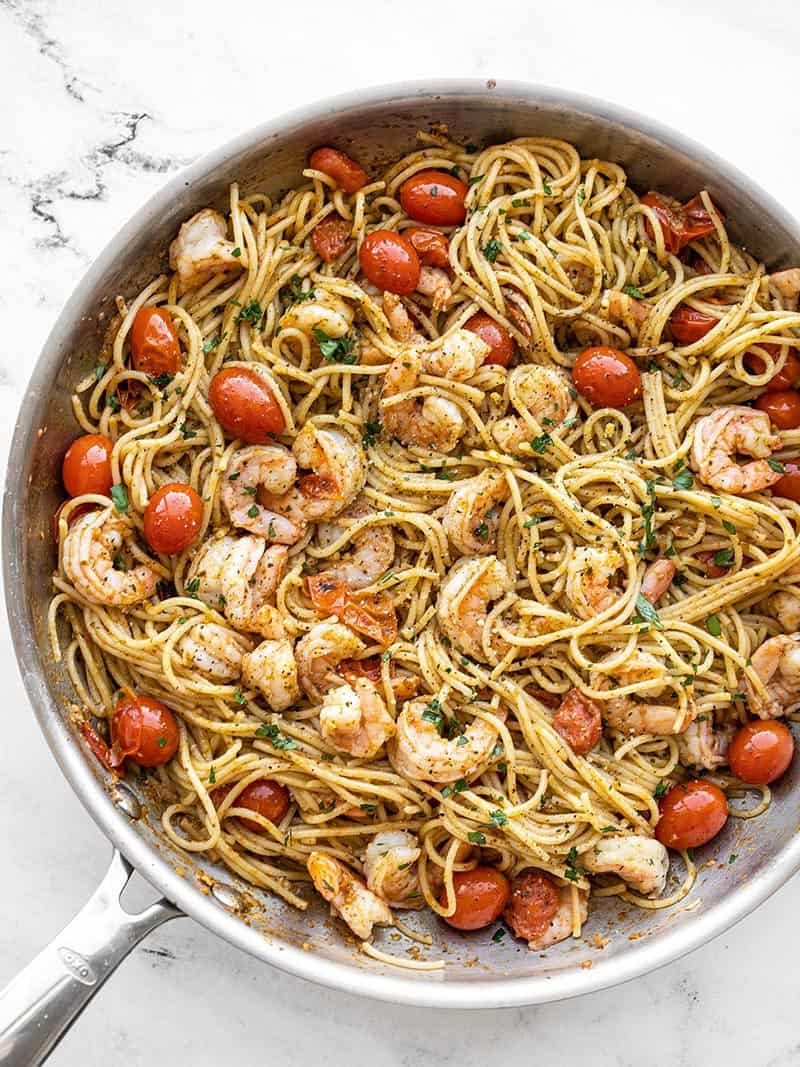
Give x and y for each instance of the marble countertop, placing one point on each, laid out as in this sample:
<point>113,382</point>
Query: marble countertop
<point>104,99</point>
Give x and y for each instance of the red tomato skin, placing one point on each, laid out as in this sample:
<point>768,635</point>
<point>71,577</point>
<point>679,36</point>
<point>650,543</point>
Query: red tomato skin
<point>680,223</point>
<point>788,485</point>
<point>691,814</point>
<point>496,337</point>
<point>606,377</point>
<point>534,901</point>
<point>144,730</point>
<point>579,721</point>
<point>339,166</point>
<point>243,404</point>
<point>154,342</point>
<point>713,570</point>
<point>688,325</point>
<point>761,752</point>
<point>330,238</point>
<point>481,895</point>
<point>87,465</point>
<point>265,796</point>
<point>435,197</point>
<point>432,247</point>
<point>172,518</point>
<point>390,261</point>
<point>783,408</point>
<point>786,378</point>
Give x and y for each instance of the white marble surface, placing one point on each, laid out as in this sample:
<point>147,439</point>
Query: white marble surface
<point>102,100</point>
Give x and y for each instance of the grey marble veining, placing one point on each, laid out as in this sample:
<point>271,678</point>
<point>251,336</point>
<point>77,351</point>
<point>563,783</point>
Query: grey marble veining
<point>103,100</point>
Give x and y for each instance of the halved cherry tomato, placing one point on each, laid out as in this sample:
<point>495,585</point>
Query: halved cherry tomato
<point>788,485</point>
<point>265,797</point>
<point>154,342</point>
<point>782,408</point>
<point>786,378</point>
<point>172,518</point>
<point>496,337</point>
<point>353,669</point>
<point>481,894</point>
<point>344,170</point>
<point>607,377</point>
<point>680,223</point>
<point>390,261</point>
<point>579,722</point>
<point>691,814</point>
<point>331,237</point>
<point>431,246</point>
<point>713,570</point>
<point>435,197</point>
<point>245,406</point>
<point>534,901</point>
<point>688,325</point>
<point>99,748</point>
<point>143,730</point>
<point>761,751</point>
<point>370,614</point>
<point>87,465</point>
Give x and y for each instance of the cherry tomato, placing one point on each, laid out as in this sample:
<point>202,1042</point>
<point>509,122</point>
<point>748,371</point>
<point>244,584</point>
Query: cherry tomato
<point>691,814</point>
<point>788,485</point>
<point>371,614</point>
<point>99,748</point>
<point>265,796</point>
<point>481,895</point>
<point>76,513</point>
<point>688,325</point>
<point>344,170</point>
<point>713,570</point>
<point>534,902</point>
<point>435,197</point>
<point>245,406</point>
<point>390,261</point>
<point>154,342</point>
<point>87,465</point>
<point>680,223</point>
<point>144,730</point>
<point>607,377</point>
<point>172,518</point>
<point>782,408</point>
<point>330,238</point>
<point>353,669</point>
<point>496,337</point>
<point>579,722</point>
<point>431,246</point>
<point>786,378</point>
<point>761,751</point>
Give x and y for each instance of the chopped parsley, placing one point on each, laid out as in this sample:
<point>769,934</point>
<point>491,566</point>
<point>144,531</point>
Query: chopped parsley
<point>372,431</point>
<point>252,511</point>
<point>776,466</point>
<point>335,349</point>
<point>498,817</point>
<point>273,734</point>
<point>647,612</point>
<point>520,202</point>
<point>482,532</point>
<point>236,253</point>
<point>546,187</point>
<point>581,197</point>
<point>193,586</point>
<point>187,433</point>
<point>633,291</point>
<point>492,249</point>
<point>541,443</point>
<point>498,935</point>
<point>160,381</point>
<point>252,313</point>
<point>476,837</point>
<point>119,494</point>
<point>240,698</point>
<point>296,294</point>
<point>212,777</point>
<point>573,871</point>
<point>212,343</point>
<point>723,558</point>
<point>713,626</point>
<point>99,371</point>
<point>660,789</point>
<point>476,179</point>
<point>370,809</point>
<point>684,480</point>
<point>731,529</point>
<point>161,742</point>
<point>113,403</point>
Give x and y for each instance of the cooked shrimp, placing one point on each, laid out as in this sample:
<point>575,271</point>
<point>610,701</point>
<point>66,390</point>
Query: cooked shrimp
<point>720,436</point>
<point>347,895</point>
<point>240,575</point>
<point>271,470</point>
<point>339,470</point>
<point>465,594</point>
<point>541,910</point>
<point>433,422</point>
<point>435,283</point>
<point>355,720</point>
<point>625,310</point>
<point>373,549</point>
<point>787,282</point>
<point>202,250</point>
<point>272,670</point>
<point>214,650</point>
<point>457,358</point>
<point>640,861</point>
<point>777,664</point>
<point>325,311</point>
<point>418,750</point>
<point>472,513</point>
<point>93,561</point>
<point>631,713</point>
<point>702,744</point>
<point>390,865</point>
<point>657,579</point>
<point>401,325</point>
<point>785,607</point>
<point>542,398</point>
<point>320,652</point>
<point>589,576</point>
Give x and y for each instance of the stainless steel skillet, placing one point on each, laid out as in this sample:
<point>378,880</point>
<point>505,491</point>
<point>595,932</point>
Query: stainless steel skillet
<point>376,125</point>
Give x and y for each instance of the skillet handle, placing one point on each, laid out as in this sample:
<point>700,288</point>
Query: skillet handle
<point>41,1003</point>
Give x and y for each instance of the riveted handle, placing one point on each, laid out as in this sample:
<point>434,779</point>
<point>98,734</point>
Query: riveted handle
<point>41,1003</point>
